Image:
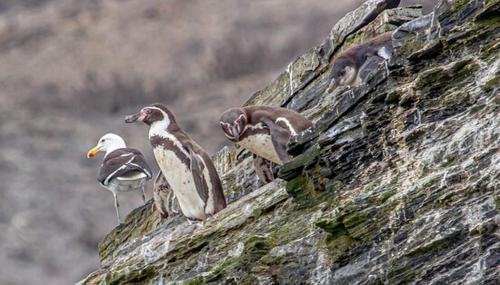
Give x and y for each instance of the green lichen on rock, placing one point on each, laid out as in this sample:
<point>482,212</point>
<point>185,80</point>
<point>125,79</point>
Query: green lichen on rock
<point>397,183</point>
<point>139,222</point>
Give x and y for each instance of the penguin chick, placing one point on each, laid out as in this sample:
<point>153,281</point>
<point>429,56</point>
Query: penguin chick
<point>163,197</point>
<point>346,66</point>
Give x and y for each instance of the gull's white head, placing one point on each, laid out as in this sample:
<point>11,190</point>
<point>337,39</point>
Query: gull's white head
<point>107,143</point>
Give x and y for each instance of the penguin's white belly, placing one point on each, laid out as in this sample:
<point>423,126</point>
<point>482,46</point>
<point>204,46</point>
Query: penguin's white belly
<point>261,145</point>
<point>182,183</point>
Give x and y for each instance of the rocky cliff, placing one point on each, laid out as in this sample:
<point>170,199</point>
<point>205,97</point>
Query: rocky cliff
<point>397,183</point>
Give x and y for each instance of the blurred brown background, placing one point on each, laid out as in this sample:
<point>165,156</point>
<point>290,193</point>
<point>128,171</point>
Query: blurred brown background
<point>69,72</point>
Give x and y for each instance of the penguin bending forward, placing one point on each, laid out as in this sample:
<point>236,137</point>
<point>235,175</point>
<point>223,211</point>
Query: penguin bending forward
<point>265,131</point>
<point>187,167</point>
<point>349,67</point>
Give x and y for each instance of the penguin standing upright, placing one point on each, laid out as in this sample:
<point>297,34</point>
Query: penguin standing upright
<point>187,167</point>
<point>263,130</point>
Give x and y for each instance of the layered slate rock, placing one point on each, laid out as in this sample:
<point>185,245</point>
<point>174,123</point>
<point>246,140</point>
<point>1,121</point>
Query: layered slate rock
<point>397,182</point>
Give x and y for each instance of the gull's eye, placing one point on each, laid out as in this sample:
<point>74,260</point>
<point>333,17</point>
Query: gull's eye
<point>102,140</point>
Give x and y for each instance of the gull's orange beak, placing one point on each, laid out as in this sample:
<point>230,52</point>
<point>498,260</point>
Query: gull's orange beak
<point>92,152</point>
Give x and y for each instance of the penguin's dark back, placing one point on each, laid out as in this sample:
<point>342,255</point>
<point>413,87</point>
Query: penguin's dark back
<point>255,113</point>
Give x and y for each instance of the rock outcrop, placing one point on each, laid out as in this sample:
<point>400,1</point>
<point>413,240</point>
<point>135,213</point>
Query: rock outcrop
<point>397,182</point>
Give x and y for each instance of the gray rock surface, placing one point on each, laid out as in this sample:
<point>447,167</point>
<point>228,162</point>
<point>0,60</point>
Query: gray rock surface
<point>397,182</point>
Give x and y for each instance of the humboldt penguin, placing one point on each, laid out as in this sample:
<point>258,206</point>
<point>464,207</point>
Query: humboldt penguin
<point>263,130</point>
<point>187,167</point>
<point>163,197</point>
<point>346,67</point>
<point>123,169</point>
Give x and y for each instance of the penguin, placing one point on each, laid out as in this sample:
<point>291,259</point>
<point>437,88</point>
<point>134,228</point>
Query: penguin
<point>163,197</point>
<point>187,167</point>
<point>123,169</point>
<point>263,130</point>
<point>346,66</point>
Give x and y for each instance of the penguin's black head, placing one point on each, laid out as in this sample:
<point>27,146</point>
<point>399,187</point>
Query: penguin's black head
<point>233,122</point>
<point>343,73</point>
<point>151,114</point>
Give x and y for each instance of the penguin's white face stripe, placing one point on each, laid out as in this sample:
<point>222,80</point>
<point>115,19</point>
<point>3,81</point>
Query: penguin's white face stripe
<point>288,124</point>
<point>159,128</point>
<point>166,121</point>
<point>349,77</point>
<point>237,121</point>
<point>229,136</point>
<point>228,128</point>
<point>237,125</point>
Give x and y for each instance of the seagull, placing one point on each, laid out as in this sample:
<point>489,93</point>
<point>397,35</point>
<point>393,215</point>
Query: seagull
<point>122,170</point>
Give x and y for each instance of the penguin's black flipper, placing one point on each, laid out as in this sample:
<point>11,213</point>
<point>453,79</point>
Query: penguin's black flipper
<point>263,169</point>
<point>280,137</point>
<point>196,166</point>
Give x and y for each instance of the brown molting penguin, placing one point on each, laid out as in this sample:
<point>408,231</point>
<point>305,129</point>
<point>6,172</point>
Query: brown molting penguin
<point>347,66</point>
<point>186,166</point>
<point>265,131</point>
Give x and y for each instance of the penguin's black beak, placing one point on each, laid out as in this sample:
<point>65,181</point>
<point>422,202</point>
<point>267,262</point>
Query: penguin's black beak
<point>133,118</point>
